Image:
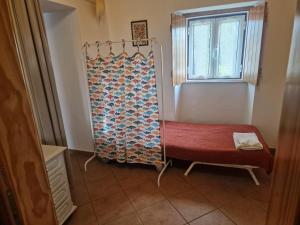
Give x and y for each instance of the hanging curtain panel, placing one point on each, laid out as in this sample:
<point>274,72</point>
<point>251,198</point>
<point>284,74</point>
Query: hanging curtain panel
<point>124,108</point>
<point>254,43</point>
<point>143,135</point>
<point>179,49</point>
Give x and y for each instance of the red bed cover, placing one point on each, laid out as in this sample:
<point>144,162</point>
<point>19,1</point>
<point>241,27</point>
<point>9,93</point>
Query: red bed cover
<point>213,144</point>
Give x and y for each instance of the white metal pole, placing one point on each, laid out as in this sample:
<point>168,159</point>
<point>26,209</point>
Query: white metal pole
<point>89,103</point>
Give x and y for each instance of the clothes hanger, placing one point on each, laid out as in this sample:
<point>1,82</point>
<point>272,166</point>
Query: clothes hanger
<point>98,47</point>
<point>151,45</point>
<point>123,45</point>
<point>110,47</point>
<point>138,46</point>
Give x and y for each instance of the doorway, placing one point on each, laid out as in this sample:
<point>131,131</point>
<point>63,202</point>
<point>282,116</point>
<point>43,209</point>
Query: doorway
<point>64,39</point>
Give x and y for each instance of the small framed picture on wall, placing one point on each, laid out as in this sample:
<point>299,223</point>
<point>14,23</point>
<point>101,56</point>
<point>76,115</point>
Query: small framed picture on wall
<point>139,31</point>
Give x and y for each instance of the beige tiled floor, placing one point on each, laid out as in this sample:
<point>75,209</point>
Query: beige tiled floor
<point>116,194</point>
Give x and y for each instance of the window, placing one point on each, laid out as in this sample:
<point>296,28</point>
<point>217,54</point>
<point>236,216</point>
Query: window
<point>218,44</point>
<point>215,47</point>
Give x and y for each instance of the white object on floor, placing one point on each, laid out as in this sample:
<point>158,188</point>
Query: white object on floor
<point>246,141</point>
<point>245,167</point>
<point>59,183</point>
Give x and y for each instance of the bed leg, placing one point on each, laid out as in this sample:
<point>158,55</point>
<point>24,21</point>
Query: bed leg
<point>88,161</point>
<point>190,168</point>
<point>250,170</point>
<point>162,171</point>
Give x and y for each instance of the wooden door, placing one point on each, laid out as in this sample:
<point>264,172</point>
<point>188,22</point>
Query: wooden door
<point>25,191</point>
<point>285,195</point>
<point>37,69</point>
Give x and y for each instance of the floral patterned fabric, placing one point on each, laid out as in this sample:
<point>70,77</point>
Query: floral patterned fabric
<point>124,108</point>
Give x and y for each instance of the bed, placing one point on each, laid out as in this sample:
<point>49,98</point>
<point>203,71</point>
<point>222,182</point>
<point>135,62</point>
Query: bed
<point>213,145</point>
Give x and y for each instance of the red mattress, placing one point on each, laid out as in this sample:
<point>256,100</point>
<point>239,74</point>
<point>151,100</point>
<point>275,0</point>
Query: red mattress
<point>213,144</point>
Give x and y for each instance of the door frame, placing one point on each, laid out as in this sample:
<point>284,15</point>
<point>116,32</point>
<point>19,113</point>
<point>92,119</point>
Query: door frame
<point>284,207</point>
<point>22,166</point>
<point>32,45</point>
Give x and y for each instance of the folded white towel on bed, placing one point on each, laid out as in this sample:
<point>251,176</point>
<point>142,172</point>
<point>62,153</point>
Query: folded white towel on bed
<point>246,141</point>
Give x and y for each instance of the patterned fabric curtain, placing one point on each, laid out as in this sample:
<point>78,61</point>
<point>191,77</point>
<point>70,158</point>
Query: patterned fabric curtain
<point>124,108</point>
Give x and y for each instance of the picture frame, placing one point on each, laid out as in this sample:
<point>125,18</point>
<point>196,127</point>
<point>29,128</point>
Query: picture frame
<point>139,30</point>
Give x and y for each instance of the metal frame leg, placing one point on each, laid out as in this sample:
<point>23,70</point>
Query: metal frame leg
<point>88,161</point>
<point>252,174</point>
<point>190,168</point>
<point>244,167</point>
<point>162,171</point>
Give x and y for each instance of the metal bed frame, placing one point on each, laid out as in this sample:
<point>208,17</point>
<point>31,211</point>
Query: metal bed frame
<point>245,167</point>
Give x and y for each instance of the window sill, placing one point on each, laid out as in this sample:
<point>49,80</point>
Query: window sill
<point>215,81</point>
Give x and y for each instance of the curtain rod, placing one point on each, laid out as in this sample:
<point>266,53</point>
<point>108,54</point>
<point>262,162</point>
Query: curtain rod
<point>98,43</point>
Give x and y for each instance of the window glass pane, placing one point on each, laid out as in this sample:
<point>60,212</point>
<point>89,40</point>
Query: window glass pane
<point>200,49</point>
<point>215,47</point>
<point>229,54</point>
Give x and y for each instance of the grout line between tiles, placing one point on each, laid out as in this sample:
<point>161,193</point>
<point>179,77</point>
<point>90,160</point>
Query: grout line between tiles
<point>131,203</point>
<point>225,214</point>
<point>89,195</point>
<point>174,208</point>
<point>217,207</point>
<point>192,189</point>
<point>203,215</point>
<point>166,198</point>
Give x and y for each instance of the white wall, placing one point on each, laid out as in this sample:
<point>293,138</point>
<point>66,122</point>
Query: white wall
<point>69,24</point>
<point>206,102</point>
<point>269,94</point>
<point>158,14</point>
<point>65,44</point>
<point>89,27</point>
<point>216,103</point>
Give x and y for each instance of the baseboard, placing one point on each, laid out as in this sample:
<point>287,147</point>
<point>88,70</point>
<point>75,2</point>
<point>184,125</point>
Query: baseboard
<point>81,150</point>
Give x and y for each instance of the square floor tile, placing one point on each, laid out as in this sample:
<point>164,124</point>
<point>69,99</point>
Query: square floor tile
<point>103,187</point>
<point>81,157</point>
<point>161,213</point>
<point>76,176</point>
<point>172,184</point>
<point>129,177</point>
<point>97,170</point>
<point>219,195</point>
<point>144,195</point>
<point>261,196</point>
<point>80,194</point>
<point>191,204</point>
<point>131,219</point>
<point>204,176</point>
<point>245,212</point>
<point>84,215</point>
<point>214,218</point>
<point>117,191</point>
<point>112,207</point>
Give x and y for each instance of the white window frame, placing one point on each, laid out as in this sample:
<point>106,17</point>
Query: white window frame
<point>214,61</point>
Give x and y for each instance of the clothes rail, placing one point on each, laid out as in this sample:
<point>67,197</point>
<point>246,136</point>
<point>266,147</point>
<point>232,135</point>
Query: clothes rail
<point>138,41</point>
